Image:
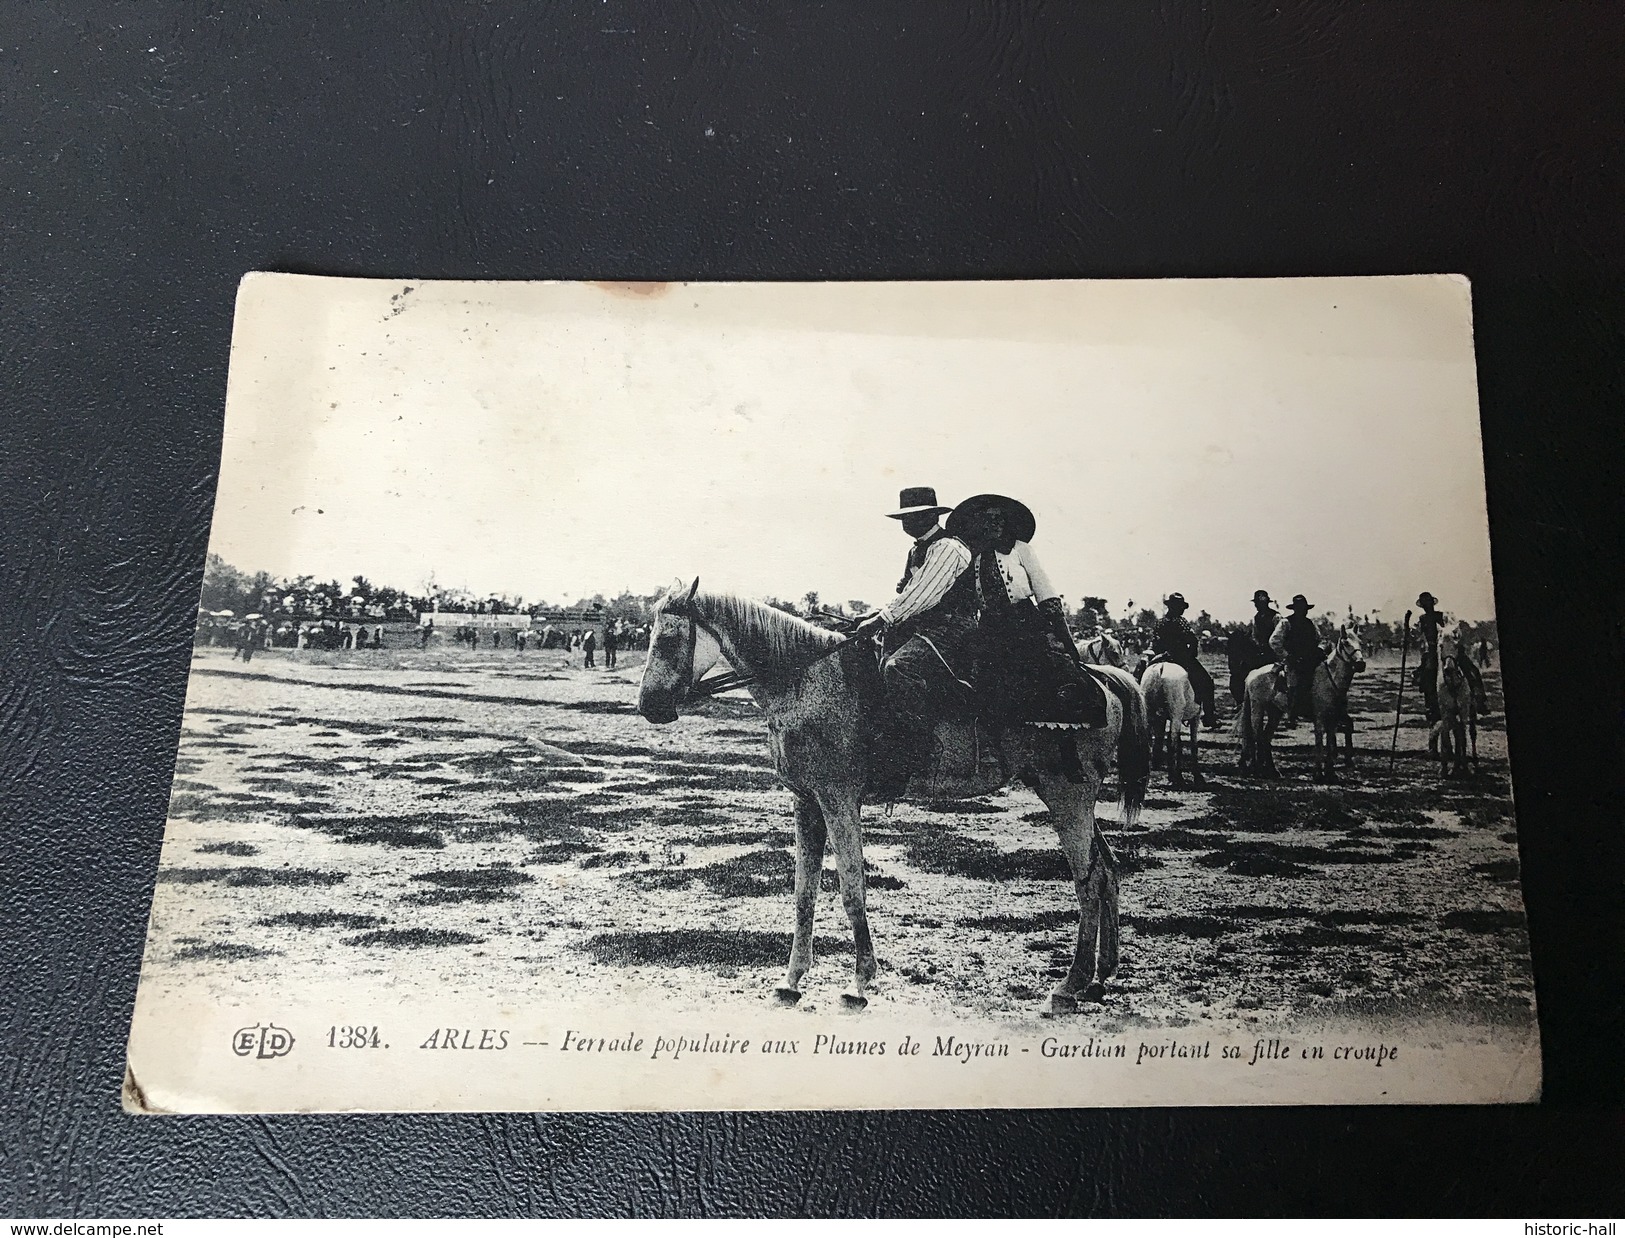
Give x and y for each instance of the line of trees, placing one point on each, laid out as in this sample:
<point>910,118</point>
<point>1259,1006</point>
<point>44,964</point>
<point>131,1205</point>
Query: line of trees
<point>226,587</point>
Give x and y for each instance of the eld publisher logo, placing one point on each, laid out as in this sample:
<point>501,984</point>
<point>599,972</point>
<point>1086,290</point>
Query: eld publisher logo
<point>267,1041</point>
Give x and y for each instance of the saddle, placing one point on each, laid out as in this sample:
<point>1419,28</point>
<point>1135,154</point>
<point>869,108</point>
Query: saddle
<point>963,755</point>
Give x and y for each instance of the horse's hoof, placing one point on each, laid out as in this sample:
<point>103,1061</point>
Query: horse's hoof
<point>786,996</point>
<point>854,1001</point>
<point>1060,1004</point>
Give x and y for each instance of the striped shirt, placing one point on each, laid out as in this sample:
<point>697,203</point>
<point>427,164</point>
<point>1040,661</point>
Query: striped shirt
<point>944,561</point>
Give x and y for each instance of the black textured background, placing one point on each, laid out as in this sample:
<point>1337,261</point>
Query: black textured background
<point>151,153</point>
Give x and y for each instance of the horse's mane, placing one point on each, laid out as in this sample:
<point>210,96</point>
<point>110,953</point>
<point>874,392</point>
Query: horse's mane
<point>767,640</point>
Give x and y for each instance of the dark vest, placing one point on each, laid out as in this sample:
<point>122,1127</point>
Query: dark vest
<point>1264,627</point>
<point>957,607</point>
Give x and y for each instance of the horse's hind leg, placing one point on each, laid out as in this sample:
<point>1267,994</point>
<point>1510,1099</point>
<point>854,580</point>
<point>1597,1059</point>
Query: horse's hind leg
<point>846,835</point>
<point>1196,764</point>
<point>809,870</point>
<point>1071,810</point>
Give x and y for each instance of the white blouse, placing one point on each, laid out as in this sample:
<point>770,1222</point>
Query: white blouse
<point>1024,576</point>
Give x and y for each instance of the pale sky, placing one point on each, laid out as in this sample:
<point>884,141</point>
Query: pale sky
<point>557,440</point>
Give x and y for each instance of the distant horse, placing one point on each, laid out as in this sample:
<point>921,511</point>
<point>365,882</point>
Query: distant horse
<point>1458,715</point>
<point>1244,655</point>
<point>820,692</point>
<point>1172,708</point>
<point>1264,702</point>
<point>1104,649</point>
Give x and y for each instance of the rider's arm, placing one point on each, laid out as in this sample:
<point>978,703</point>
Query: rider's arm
<point>946,559</point>
<point>1043,589</point>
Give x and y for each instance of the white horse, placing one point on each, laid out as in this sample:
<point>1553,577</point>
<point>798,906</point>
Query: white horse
<point>1104,649</point>
<point>1171,708</point>
<point>1264,702</point>
<point>1458,715</point>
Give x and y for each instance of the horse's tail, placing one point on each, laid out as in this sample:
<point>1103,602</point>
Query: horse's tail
<point>1133,744</point>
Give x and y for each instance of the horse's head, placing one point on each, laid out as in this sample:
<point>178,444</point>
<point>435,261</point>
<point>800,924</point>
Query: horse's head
<point>681,649</point>
<point>1348,646</point>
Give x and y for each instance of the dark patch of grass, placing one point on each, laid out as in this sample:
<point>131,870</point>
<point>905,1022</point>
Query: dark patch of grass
<point>1155,801</point>
<point>1301,939</point>
<point>1488,920</point>
<point>1172,838</point>
<point>1414,831</point>
<point>756,873</point>
<point>413,938</point>
<point>699,948</point>
<point>382,741</point>
<point>1250,862</point>
<point>1036,922</point>
<point>322,919</point>
<point>740,732</point>
<point>428,718</point>
<point>423,829</point>
<point>1502,871</point>
<point>219,951</point>
<point>935,850</point>
<point>1269,810</point>
<point>475,878</point>
<point>191,807</point>
<point>612,859</point>
<point>484,763</point>
<point>557,853</point>
<point>739,838</point>
<point>396,838</point>
<point>440,898</point>
<point>229,849</point>
<point>1202,927</point>
<point>1479,812</point>
<point>249,876</point>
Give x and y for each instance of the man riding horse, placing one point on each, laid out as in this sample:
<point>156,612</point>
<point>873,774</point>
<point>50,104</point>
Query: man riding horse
<point>976,605</point>
<point>1174,640</point>
<point>1296,642</point>
<point>929,627</point>
<point>1430,627</point>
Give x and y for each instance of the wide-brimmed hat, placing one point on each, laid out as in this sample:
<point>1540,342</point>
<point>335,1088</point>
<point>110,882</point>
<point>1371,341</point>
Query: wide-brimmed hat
<point>1426,599</point>
<point>917,501</point>
<point>1299,602</point>
<point>1176,601</point>
<point>1263,595</point>
<point>1019,524</point>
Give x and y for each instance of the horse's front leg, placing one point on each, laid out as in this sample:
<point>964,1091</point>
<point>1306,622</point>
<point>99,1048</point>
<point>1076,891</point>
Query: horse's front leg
<point>809,871</point>
<point>1196,764</point>
<point>842,817</point>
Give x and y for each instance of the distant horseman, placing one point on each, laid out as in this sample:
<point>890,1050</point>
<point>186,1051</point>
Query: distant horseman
<point>1296,643</point>
<point>1174,640</point>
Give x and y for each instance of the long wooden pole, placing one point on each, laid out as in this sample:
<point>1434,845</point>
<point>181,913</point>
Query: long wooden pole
<point>1404,648</point>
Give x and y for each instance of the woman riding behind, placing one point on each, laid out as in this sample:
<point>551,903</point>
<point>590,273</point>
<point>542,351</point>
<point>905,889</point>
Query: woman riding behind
<point>1028,661</point>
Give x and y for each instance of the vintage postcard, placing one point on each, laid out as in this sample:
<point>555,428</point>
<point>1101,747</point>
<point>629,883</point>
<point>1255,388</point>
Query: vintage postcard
<point>904,695</point>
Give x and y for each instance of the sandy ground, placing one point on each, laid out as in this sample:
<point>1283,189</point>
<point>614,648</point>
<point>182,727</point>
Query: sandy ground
<point>505,825</point>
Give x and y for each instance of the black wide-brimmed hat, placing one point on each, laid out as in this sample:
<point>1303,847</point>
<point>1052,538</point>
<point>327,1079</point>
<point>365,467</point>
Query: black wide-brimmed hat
<point>1299,602</point>
<point>1427,599</point>
<point>916,501</point>
<point>1263,595</point>
<point>1019,524</point>
<point>1176,601</point>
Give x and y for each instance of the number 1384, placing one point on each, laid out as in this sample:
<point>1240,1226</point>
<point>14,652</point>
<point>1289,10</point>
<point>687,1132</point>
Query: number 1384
<point>357,1037</point>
